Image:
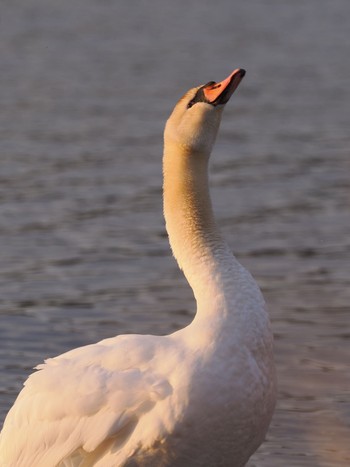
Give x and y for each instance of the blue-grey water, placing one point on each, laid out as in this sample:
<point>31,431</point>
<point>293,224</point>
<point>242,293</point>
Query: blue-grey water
<point>85,88</point>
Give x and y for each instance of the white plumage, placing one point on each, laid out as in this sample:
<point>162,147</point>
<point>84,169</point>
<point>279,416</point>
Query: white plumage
<point>202,396</point>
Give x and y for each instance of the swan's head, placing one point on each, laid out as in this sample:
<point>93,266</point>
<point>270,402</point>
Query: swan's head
<point>195,120</point>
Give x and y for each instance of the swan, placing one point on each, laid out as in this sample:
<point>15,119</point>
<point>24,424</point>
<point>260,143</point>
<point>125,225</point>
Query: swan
<point>200,397</point>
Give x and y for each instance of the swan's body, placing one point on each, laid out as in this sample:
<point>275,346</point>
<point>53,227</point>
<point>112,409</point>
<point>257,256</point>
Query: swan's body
<point>200,397</point>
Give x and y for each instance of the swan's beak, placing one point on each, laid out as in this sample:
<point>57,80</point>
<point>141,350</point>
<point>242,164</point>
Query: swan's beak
<point>220,93</point>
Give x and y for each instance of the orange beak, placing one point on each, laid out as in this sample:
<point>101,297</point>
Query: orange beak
<point>220,93</point>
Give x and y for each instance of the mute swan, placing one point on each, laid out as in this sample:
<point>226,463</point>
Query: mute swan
<point>202,396</point>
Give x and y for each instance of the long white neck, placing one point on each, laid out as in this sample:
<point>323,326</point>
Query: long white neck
<point>194,237</point>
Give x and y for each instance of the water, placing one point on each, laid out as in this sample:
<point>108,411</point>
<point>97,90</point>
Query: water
<point>86,87</point>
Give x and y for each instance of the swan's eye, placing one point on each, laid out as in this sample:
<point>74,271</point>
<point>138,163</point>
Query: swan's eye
<point>200,96</point>
<point>190,104</point>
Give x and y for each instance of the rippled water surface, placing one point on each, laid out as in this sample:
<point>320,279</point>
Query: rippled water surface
<point>86,87</point>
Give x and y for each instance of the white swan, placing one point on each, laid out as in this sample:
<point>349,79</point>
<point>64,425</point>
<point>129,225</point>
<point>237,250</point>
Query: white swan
<point>202,396</point>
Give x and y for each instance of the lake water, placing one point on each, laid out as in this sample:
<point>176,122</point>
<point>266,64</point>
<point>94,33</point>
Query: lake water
<point>86,87</point>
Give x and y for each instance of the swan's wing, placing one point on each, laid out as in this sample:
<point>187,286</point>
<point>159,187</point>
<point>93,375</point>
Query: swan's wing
<point>77,401</point>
